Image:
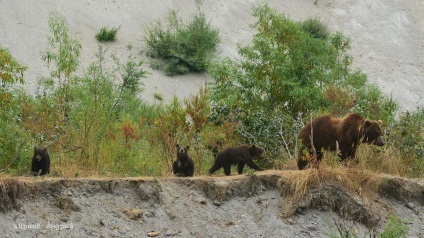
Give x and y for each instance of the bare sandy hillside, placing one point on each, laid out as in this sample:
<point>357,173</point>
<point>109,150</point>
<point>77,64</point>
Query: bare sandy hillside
<point>260,205</point>
<point>387,36</point>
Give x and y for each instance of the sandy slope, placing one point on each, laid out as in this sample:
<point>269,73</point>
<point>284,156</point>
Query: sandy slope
<point>387,36</point>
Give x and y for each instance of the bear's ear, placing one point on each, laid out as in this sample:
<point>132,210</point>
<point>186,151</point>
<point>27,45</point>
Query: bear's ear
<point>253,146</point>
<point>380,122</point>
<point>367,123</point>
<point>178,145</point>
<point>187,147</point>
<point>35,148</point>
<point>45,149</point>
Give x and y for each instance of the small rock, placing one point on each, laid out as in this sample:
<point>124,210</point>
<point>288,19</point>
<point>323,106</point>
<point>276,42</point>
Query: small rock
<point>133,214</point>
<point>312,227</point>
<point>171,233</point>
<point>289,221</point>
<point>217,203</point>
<point>64,219</point>
<point>103,222</point>
<point>69,193</point>
<point>410,205</point>
<point>300,211</point>
<point>89,233</point>
<point>153,233</point>
<point>150,214</point>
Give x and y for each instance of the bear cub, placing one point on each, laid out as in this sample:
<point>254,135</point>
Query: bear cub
<point>241,155</point>
<point>342,135</point>
<point>40,161</point>
<point>183,166</point>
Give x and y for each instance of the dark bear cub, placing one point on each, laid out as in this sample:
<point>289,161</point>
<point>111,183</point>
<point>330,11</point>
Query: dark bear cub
<point>40,161</point>
<point>183,166</point>
<point>343,135</point>
<point>241,155</point>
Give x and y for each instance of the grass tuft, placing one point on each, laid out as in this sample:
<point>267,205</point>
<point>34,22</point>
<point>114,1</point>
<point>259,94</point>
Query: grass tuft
<point>105,34</point>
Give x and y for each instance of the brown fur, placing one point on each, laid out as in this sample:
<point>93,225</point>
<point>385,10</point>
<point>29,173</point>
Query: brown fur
<point>184,165</point>
<point>342,134</point>
<point>40,161</point>
<point>241,155</point>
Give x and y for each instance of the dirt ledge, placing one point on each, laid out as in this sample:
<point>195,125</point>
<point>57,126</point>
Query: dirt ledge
<point>257,205</point>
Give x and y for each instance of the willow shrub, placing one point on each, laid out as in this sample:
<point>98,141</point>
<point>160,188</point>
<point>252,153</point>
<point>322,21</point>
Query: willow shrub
<point>286,75</point>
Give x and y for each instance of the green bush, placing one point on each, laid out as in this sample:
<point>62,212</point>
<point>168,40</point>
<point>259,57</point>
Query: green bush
<point>13,138</point>
<point>107,34</point>
<point>316,28</point>
<point>395,228</point>
<point>286,75</point>
<point>406,136</point>
<point>180,48</point>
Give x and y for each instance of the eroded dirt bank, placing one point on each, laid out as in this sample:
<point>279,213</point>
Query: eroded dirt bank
<point>259,205</point>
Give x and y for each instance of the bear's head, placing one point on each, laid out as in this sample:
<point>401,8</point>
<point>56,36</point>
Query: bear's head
<point>372,133</point>
<point>40,153</point>
<point>256,151</point>
<point>182,151</point>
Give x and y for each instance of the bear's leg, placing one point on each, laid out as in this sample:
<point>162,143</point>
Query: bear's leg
<point>214,168</point>
<point>240,167</point>
<point>44,171</point>
<point>176,166</point>
<point>34,170</point>
<point>227,169</point>
<point>302,159</point>
<point>44,168</point>
<point>190,171</point>
<point>252,165</point>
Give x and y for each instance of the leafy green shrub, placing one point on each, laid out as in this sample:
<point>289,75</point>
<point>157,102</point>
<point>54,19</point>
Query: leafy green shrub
<point>13,138</point>
<point>181,48</point>
<point>316,28</point>
<point>286,75</point>
<point>406,136</point>
<point>107,34</point>
<point>395,229</point>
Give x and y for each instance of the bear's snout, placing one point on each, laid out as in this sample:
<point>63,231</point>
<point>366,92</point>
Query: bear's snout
<point>38,157</point>
<point>379,141</point>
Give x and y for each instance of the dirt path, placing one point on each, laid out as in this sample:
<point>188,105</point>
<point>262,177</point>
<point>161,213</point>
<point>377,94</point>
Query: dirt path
<point>386,36</point>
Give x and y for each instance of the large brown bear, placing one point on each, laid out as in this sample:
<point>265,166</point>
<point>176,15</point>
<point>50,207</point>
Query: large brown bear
<point>241,155</point>
<point>342,134</point>
<point>184,165</point>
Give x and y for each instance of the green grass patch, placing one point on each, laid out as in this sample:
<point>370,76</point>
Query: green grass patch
<point>107,34</point>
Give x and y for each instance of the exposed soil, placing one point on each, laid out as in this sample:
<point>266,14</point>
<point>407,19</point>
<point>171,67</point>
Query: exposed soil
<point>257,205</point>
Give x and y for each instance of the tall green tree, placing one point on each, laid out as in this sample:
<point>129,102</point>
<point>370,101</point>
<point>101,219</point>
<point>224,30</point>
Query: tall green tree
<point>11,72</point>
<point>286,74</point>
<point>12,136</point>
<point>63,53</point>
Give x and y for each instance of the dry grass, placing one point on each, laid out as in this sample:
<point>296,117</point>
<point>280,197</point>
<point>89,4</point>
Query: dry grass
<point>10,190</point>
<point>388,160</point>
<point>297,185</point>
